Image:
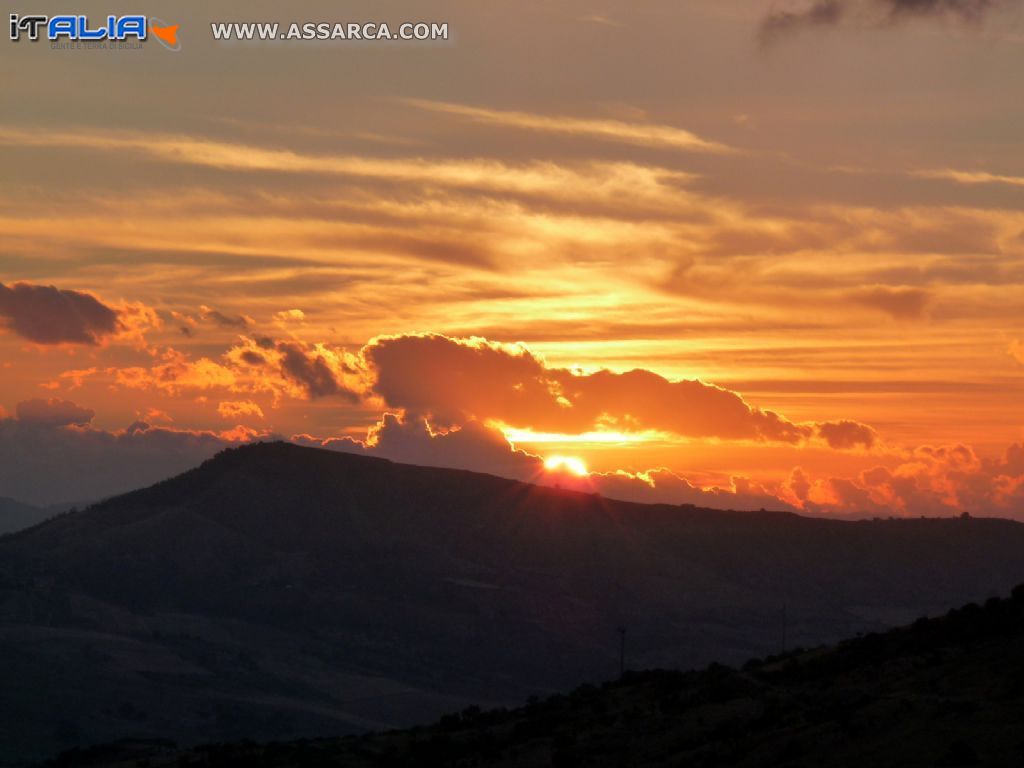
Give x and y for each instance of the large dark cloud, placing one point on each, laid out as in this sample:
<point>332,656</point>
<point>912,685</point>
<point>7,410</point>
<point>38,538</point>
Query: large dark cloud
<point>219,318</point>
<point>45,314</point>
<point>825,13</point>
<point>779,23</point>
<point>311,370</point>
<point>453,381</point>
<point>843,435</point>
<point>473,447</point>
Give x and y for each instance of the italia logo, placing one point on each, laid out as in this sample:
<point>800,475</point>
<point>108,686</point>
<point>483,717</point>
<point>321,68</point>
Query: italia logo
<point>166,34</point>
<point>80,28</point>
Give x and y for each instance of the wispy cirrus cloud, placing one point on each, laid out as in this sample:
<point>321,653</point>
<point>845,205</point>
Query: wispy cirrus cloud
<point>592,181</point>
<point>641,134</point>
<point>970,177</point>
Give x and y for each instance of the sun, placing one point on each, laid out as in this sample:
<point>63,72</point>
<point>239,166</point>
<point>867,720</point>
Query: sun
<point>570,464</point>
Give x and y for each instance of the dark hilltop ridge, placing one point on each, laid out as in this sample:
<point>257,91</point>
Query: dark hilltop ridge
<point>940,692</point>
<point>279,592</point>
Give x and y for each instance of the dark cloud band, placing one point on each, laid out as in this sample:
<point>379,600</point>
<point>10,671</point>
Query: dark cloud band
<point>827,13</point>
<point>45,314</point>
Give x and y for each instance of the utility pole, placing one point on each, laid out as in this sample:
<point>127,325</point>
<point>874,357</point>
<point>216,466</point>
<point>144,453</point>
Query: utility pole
<point>622,651</point>
<point>784,627</point>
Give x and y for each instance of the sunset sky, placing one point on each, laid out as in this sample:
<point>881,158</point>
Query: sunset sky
<point>736,253</point>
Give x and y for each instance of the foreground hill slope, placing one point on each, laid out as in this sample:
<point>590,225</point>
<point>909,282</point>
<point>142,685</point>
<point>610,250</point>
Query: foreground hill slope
<point>279,591</point>
<point>941,692</point>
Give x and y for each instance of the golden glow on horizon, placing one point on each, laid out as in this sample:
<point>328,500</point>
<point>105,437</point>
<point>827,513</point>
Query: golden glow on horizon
<point>516,436</point>
<point>570,464</point>
<point>627,233</point>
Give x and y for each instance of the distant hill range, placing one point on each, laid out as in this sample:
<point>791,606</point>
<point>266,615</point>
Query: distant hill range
<point>279,592</point>
<point>16,516</point>
<point>941,692</point>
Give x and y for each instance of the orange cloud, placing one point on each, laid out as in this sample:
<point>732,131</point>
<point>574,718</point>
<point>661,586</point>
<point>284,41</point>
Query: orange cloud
<point>927,481</point>
<point>290,316</point>
<point>1017,350</point>
<point>296,369</point>
<point>589,181</point>
<point>844,435</point>
<point>452,381</point>
<point>72,379</point>
<point>241,434</point>
<point>175,373</point>
<point>137,320</point>
<point>156,415</point>
<point>292,369</point>
<point>971,177</point>
<point>238,408</point>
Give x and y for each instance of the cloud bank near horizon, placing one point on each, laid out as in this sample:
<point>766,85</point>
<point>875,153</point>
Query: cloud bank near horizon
<point>479,448</point>
<point>452,400</point>
<point>50,453</point>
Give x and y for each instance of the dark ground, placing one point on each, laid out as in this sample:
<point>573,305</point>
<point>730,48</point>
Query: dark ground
<point>279,592</point>
<point>945,692</point>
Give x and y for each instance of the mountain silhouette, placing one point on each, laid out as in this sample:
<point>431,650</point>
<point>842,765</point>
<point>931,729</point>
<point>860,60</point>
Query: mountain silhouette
<point>279,592</point>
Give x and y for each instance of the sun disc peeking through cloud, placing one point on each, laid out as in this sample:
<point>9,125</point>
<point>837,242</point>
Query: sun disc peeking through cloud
<point>570,464</point>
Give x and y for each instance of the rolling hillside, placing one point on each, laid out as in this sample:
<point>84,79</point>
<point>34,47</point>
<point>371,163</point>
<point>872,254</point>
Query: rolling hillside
<point>945,692</point>
<point>279,592</point>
